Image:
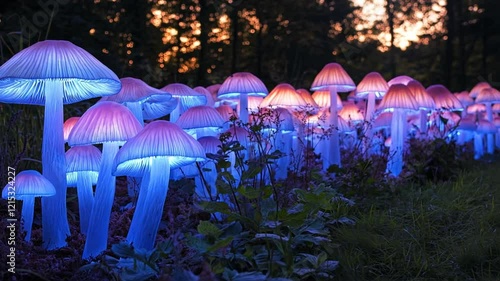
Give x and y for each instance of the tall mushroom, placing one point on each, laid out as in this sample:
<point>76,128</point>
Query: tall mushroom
<point>111,124</point>
<point>53,73</point>
<point>158,148</point>
<point>488,96</point>
<point>424,101</point>
<point>83,163</point>
<point>241,85</point>
<point>334,79</point>
<point>398,99</point>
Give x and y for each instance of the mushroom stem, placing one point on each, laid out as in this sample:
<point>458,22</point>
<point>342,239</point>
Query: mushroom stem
<point>27,213</point>
<point>334,146</point>
<point>54,216</point>
<point>174,115</point>
<point>243,108</point>
<point>395,163</point>
<point>490,143</point>
<point>156,195</point>
<point>97,234</point>
<point>136,108</point>
<point>135,225</point>
<point>423,121</point>
<point>85,199</point>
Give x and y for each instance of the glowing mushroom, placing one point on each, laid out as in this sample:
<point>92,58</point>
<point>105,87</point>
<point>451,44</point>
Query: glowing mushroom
<point>111,124</point>
<point>424,102</point>
<point>200,121</point>
<point>28,185</point>
<point>186,97</point>
<point>488,96</point>
<point>83,163</point>
<point>334,79</point>
<point>241,85</point>
<point>159,147</point>
<point>400,100</point>
<point>53,73</point>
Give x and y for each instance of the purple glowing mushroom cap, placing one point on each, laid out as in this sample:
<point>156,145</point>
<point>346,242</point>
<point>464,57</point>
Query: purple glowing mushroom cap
<point>134,90</point>
<point>23,76</point>
<point>82,159</point>
<point>333,75</point>
<point>464,98</point>
<point>202,116</point>
<point>158,139</point>
<point>30,183</point>
<point>210,98</point>
<point>242,83</point>
<point>486,127</point>
<point>158,106</point>
<point>211,144</point>
<point>105,121</point>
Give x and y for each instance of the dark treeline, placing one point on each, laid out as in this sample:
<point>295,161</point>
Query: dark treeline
<point>203,41</point>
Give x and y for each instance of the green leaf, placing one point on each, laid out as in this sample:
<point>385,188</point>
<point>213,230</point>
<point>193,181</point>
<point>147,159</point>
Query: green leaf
<point>220,244</point>
<point>124,250</point>
<point>208,229</point>
<point>249,192</point>
<point>231,229</point>
<point>214,207</point>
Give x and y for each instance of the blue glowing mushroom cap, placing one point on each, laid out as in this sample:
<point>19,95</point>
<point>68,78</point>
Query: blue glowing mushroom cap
<point>158,139</point>
<point>105,121</point>
<point>210,98</point>
<point>30,183</point>
<point>82,159</point>
<point>22,77</point>
<point>242,83</point>
<point>187,97</point>
<point>210,144</point>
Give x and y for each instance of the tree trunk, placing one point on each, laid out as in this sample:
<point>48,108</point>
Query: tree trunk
<point>450,25</point>
<point>461,47</point>
<point>390,15</point>
<point>234,39</point>
<point>202,61</point>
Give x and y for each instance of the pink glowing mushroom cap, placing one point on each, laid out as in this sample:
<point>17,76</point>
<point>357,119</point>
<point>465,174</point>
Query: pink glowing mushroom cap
<point>374,83</point>
<point>158,139</point>
<point>423,99</point>
<point>333,75</point>
<point>105,121</point>
<point>322,99</point>
<point>284,95</point>
<point>402,79</point>
<point>68,126</point>
<point>398,96</point>
<point>488,95</point>
<point>477,88</point>
<point>464,98</point>
<point>23,76</point>
<point>307,97</point>
<point>351,113</point>
<point>242,83</point>
<point>226,112</point>
<point>443,98</point>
